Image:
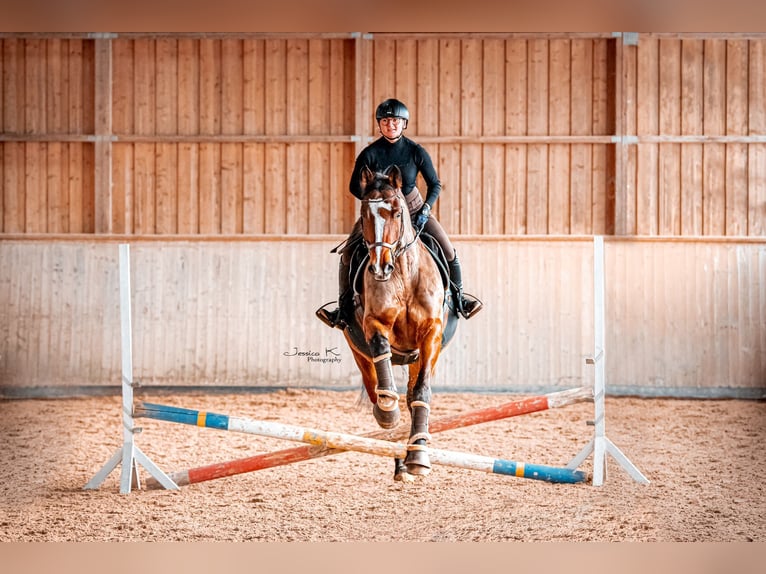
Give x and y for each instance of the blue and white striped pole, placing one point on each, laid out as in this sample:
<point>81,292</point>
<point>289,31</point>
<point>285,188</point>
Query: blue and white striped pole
<point>355,443</point>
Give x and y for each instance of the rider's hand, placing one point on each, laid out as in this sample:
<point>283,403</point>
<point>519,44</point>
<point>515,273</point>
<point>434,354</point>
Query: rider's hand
<point>421,217</point>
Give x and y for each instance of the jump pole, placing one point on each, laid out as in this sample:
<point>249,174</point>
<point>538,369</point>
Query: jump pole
<point>600,445</point>
<point>307,452</point>
<point>355,443</point>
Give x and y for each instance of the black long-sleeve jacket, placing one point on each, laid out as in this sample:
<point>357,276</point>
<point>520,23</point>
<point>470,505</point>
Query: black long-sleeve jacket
<point>411,158</point>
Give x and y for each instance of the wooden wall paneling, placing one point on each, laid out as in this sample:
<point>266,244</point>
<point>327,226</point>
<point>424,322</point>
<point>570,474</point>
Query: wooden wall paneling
<point>123,78</point>
<point>320,108</point>
<point>449,121</point>
<point>57,92</point>
<point>102,148</point>
<point>188,188</point>
<point>384,80</point>
<point>210,188</point>
<point>275,87</point>
<point>231,188</point>
<point>144,90</point>
<point>756,209</point>
<point>78,85</point>
<point>296,208</point>
<point>210,86</point>
<point>14,84</point>
<point>2,93</point>
<point>406,86</point>
<point>342,205</point>
<point>537,124</point>
<point>35,104</point>
<point>56,188</point>
<point>427,87</point>
<point>144,87</point>
<point>122,188</point>
<point>322,118</point>
<point>276,124</point>
<point>647,123</point>
<point>88,191</point>
<point>737,92</point>
<point>297,156</point>
<point>339,93</point>
<point>472,172</point>
<point>232,86</point>
<point>35,196</point>
<point>78,187</point>
<point>317,189</point>
<point>297,87</point>
<point>669,154</point>
<point>166,191</point>
<point>166,96</point>
<point>493,120</point>
<point>515,124</point>
<point>13,187</point>
<point>188,87</point>
<point>691,124</point>
<point>276,190</point>
<point>602,157</point>
<point>714,118</point>
<point>626,63</point>
<point>253,188</point>
<point>582,102</point>
<point>253,87</point>
<point>144,188</point>
<point>232,106</point>
<point>560,123</point>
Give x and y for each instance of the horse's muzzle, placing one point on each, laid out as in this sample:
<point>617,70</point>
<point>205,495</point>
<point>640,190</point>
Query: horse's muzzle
<point>381,272</point>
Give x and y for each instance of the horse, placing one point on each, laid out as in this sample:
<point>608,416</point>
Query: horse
<point>402,312</point>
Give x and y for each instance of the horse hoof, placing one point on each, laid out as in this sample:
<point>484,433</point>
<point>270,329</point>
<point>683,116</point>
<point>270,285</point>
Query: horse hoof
<point>386,419</point>
<point>418,463</point>
<point>404,477</point>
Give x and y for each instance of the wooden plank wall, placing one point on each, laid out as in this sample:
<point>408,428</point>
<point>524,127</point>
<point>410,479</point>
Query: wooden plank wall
<point>518,127</point>
<point>683,316</point>
<point>552,134</point>
<point>46,97</point>
<point>697,105</point>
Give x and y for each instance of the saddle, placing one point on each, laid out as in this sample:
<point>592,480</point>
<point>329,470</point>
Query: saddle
<point>353,305</point>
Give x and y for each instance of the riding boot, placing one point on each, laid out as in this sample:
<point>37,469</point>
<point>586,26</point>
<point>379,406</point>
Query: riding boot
<point>336,318</point>
<point>466,306</point>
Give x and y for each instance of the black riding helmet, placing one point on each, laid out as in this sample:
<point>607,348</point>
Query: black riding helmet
<point>392,108</point>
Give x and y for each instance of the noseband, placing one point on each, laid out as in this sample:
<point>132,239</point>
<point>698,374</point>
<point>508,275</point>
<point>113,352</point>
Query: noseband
<point>399,246</point>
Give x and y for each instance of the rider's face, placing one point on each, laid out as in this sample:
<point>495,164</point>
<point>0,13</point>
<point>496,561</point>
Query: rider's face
<point>391,128</point>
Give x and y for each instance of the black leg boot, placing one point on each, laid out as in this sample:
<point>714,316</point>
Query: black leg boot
<point>335,318</point>
<point>466,306</point>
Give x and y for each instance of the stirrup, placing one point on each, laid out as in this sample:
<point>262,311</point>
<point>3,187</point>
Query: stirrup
<point>332,319</point>
<point>468,305</point>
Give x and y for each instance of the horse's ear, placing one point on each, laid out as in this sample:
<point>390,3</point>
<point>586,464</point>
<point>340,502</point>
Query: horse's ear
<point>365,177</point>
<point>395,177</point>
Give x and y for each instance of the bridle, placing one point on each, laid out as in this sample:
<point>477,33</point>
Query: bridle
<point>398,247</point>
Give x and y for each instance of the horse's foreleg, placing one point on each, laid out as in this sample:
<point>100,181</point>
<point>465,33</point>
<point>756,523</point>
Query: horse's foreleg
<point>386,408</point>
<point>419,403</point>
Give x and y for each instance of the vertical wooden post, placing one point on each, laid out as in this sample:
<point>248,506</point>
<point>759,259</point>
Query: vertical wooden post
<point>103,136</point>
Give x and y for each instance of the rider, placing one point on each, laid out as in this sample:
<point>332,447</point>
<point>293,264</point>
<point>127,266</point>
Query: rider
<point>393,148</point>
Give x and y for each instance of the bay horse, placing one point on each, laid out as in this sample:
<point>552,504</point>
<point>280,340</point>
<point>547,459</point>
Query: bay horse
<point>402,311</point>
